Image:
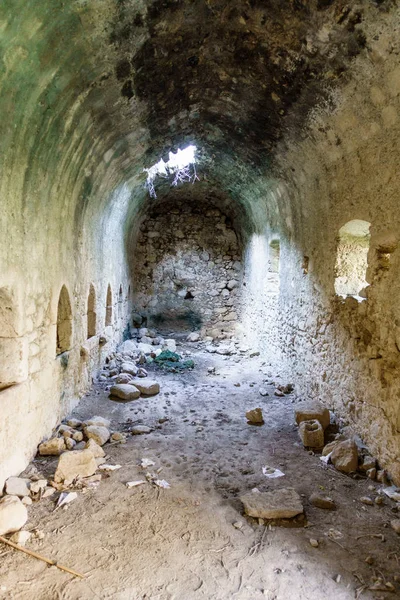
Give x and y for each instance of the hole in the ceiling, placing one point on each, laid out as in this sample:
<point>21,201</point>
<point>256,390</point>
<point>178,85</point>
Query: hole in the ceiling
<point>179,168</point>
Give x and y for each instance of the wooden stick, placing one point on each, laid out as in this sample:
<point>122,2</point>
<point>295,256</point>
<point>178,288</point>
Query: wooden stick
<point>38,556</point>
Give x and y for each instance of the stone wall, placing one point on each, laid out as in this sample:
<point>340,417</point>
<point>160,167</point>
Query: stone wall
<point>345,352</point>
<point>188,271</point>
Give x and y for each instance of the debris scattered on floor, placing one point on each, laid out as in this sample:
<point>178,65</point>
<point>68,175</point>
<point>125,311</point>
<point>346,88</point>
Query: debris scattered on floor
<point>272,473</point>
<point>65,498</point>
<point>106,467</point>
<point>147,462</point>
<point>133,484</point>
<point>172,362</point>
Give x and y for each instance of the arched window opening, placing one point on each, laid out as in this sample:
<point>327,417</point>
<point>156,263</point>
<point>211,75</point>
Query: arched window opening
<point>273,267</point>
<point>109,308</point>
<point>351,259</point>
<point>91,313</point>
<point>64,322</point>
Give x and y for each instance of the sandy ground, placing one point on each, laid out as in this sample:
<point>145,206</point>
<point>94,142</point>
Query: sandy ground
<point>180,543</point>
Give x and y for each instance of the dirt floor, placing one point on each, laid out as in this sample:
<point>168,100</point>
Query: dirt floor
<point>181,543</point>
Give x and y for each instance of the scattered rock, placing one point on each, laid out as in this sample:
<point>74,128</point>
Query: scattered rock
<point>255,416</point>
<point>95,449</point>
<point>78,436</point>
<point>170,345</point>
<point>147,387</point>
<point>70,444</point>
<point>371,473</point>
<point>321,501</point>
<point>368,463</point>
<point>314,543</point>
<point>125,391</point>
<point>311,411</point>
<point>80,446</point>
<point>329,448</point>
<point>311,434</point>
<point>53,447</point>
<point>129,367</point>
<point>38,486</point>
<point>139,429</point>
<point>98,422</point>
<point>74,423</point>
<point>99,434</point>
<point>118,437</point>
<point>262,392</point>
<point>18,486</point>
<point>367,500</point>
<point>75,464</point>
<point>395,524</point>
<point>26,500</point>
<point>13,514</point>
<point>123,378</point>
<point>345,456</point>
<point>21,537</point>
<point>283,503</point>
<point>193,337</point>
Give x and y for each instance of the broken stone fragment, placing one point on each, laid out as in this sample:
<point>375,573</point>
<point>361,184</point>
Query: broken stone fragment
<point>311,434</point>
<point>37,486</point>
<point>70,443</point>
<point>324,502</point>
<point>78,436</point>
<point>311,411</point>
<point>74,423</point>
<point>345,456</point>
<point>147,387</point>
<point>395,524</point>
<point>123,378</point>
<point>125,391</point>
<point>21,537</point>
<point>98,421</point>
<point>129,367</point>
<point>255,416</point>
<point>193,337</point>
<point>329,448</point>
<point>13,514</point>
<point>99,434</point>
<point>53,447</point>
<point>96,450</point>
<point>284,503</point>
<point>368,463</point>
<point>140,429</point>
<point>75,464</point>
<point>118,437</point>
<point>18,486</point>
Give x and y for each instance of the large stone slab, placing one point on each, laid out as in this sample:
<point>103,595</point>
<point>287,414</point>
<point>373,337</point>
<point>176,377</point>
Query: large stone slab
<point>312,410</point>
<point>77,463</point>
<point>284,503</point>
<point>125,391</point>
<point>13,514</point>
<point>147,387</point>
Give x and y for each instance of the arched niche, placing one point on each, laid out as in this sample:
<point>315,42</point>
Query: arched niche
<point>91,312</point>
<point>109,307</point>
<point>64,322</point>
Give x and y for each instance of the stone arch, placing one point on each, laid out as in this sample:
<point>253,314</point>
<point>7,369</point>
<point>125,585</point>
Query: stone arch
<point>64,322</point>
<point>109,307</point>
<point>91,312</point>
<point>352,258</point>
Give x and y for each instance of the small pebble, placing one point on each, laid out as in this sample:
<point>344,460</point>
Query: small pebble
<point>367,500</point>
<point>314,543</point>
